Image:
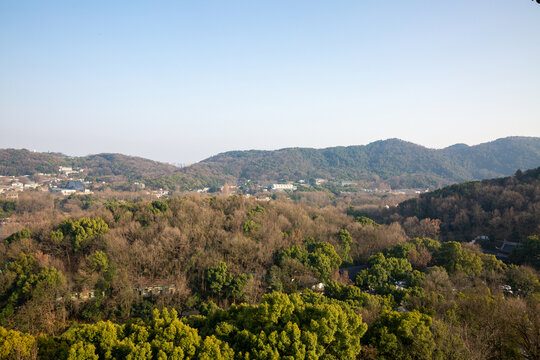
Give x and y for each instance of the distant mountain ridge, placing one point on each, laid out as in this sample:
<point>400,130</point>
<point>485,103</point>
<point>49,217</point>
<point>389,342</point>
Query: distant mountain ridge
<point>396,162</point>
<point>15,162</point>
<point>399,163</point>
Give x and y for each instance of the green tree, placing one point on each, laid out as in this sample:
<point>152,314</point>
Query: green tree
<point>322,258</point>
<point>99,262</point>
<point>523,280</point>
<point>80,230</point>
<point>22,234</point>
<point>454,259</point>
<point>291,327</point>
<point>402,336</point>
<point>25,281</point>
<point>528,252</point>
<point>82,351</point>
<point>15,345</point>
<point>345,240</point>
<point>218,279</point>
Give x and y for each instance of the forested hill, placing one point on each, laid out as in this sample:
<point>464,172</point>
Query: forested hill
<point>504,209</point>
<point>396,162</point>
<point>399,163</point>
<point>16,162</point>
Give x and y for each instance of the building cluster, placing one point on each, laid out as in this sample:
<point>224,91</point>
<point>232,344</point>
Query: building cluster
<point>252,187</point>
<point>11,186</point>
<point>63,183</point>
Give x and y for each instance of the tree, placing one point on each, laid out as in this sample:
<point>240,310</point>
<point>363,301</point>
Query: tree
<point>345,240</point>
<point>322,258</point>
<point>22,234</point>
<point>80,230</point>
<point>28,283</point>
<point>402,336</point>
<point>217,278</point>
<point>288,327</point>
<point>319,256</point>
<point>15,345</point>
<point>528,252</point>
<point>222,283</point>
<point>523,280</point>
<point>456,259</point>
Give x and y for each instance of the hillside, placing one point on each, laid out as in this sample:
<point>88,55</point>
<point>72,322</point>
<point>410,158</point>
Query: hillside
<point>225,277</point>
<point>14,162</point>
<point>504,208</point>
<point>399,163</point>
<point>131,167</point>
<point>396,162</point>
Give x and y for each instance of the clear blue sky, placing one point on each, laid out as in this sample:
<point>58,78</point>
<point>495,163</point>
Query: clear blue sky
<point>182,80</point>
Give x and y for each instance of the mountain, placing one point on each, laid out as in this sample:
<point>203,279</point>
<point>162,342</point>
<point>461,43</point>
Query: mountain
<point>399,163</point>
<point>14,162</point>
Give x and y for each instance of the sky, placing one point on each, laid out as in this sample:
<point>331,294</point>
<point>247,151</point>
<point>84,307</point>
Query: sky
<point>179,81</point>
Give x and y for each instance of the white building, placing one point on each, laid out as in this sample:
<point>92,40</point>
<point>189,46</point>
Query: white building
<point>66,170</point>
<point>31,185</point>
<point>61,191</point>
<point>17,185</point>
<point>283,187</point>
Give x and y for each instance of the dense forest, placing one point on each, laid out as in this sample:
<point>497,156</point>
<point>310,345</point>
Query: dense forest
<point>237,278</point>
<point>502,209</point>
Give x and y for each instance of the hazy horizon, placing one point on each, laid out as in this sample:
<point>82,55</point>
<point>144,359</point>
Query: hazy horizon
<point>179,82</point>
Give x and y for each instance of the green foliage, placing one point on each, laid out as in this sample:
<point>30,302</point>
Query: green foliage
<point>217,278</point>
<point>250,227</point>
<point>15,345</point>
<point>82,351</point>
<point>454,259</point>
<point>528,252</point>
<point>99,262</point>
<point>430,244</point>
<point>222,283</point>
<point>384,271</point>
<point>79,230</point>
<point>214,349</point>
<point>295,252</point>
<point>158,207</point>
<point>164,337</point>
<point>345,240</point>
<point>288,327</point>
<point>357,298</point>
<point>364,220</point>
<point>22,234</point>
<point>258,210</point>
<point>402,336</point>
<point>27,280</point>
<point>402,251</point>
<point>7,207</point>
<point>295,327</point>
<point>319,256</point>
<point>523,280</point>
